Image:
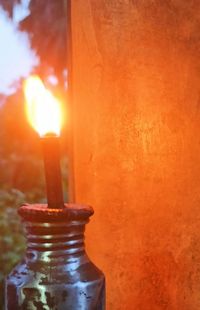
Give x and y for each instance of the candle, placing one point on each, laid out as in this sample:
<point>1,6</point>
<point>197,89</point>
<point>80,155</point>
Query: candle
<point>44,114</point>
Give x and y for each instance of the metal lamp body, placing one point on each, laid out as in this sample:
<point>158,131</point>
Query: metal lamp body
<point>56,272</point>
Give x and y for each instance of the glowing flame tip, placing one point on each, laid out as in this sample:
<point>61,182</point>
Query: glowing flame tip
<point>43,109</point>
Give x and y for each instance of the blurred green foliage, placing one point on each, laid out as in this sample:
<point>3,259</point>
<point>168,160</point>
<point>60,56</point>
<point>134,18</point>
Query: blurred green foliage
<point>21,180</point>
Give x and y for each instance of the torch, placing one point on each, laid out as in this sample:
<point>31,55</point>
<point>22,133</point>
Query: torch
<point>44,114</point>
<point>56,272</point>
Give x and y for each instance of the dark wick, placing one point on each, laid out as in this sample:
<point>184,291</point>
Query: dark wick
<point>51,153</point>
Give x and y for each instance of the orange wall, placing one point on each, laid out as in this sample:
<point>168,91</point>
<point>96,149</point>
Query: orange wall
<point>137,147</point>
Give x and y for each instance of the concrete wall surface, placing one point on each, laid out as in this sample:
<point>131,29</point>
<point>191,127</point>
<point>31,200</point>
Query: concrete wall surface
<point>136,81</point>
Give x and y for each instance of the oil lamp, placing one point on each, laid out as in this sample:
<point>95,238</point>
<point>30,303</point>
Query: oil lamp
<point>56,273</point>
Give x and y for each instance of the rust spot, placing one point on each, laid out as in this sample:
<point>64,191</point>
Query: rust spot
<point>50,300</point>
<point>64,295</point>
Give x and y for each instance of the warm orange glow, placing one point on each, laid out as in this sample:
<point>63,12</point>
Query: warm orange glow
<point>43,109</point>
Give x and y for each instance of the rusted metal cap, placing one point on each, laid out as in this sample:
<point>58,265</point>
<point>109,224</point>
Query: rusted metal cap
<point>41,212</point>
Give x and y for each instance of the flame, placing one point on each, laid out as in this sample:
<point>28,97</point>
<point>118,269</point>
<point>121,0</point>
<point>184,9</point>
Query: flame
<point>43,109</point>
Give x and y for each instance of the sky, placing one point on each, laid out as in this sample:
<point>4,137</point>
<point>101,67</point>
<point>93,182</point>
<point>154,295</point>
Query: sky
<point>16,57</point>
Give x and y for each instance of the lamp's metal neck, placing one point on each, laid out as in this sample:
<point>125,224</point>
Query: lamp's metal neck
<point>56,272</point>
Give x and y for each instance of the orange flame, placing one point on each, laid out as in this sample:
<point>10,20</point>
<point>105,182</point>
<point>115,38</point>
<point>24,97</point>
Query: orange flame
<point>43,109</point>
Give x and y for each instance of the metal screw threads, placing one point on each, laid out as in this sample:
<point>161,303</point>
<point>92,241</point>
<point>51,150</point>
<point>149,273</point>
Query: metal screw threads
<point>56,272</point>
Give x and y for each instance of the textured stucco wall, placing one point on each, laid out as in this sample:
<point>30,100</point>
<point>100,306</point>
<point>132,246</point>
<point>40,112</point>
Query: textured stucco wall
<point>137,147</point>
